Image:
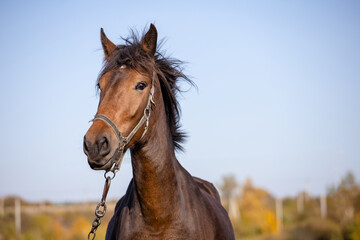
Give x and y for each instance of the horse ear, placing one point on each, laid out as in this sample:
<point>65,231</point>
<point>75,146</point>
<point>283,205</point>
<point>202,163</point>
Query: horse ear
<point>148,42</point>
<point>108,47</point>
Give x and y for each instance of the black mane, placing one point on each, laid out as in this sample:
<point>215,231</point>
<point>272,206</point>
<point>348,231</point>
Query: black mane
<point>169,71</point>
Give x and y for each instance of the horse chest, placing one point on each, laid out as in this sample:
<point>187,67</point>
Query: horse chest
<point>193,222</point>
<point>132,226</point>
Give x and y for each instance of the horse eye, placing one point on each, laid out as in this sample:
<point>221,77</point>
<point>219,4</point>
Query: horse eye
<point>98,86</point>
<point>140,86</point>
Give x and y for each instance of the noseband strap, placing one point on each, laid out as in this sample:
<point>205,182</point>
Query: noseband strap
<point>123,141</point>
<point>111,124</point>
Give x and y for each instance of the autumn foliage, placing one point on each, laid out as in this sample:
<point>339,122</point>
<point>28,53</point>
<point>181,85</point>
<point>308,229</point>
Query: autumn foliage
<point>55,222</point>
<point>253,212</point>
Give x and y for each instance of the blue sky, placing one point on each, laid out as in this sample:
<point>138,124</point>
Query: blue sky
<point>278,98</point>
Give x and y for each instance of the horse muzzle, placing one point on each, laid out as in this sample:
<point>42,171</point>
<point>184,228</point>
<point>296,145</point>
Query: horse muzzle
<point>98,151</point>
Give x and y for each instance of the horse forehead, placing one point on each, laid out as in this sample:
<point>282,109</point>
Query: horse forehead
<point>118,86</point>
<point>120,76</point>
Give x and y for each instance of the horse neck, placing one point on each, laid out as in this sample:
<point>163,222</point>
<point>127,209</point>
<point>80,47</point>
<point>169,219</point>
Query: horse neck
<point>154,169</point>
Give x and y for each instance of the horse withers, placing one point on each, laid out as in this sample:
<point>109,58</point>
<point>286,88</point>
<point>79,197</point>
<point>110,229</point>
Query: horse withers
<point>138,110</point>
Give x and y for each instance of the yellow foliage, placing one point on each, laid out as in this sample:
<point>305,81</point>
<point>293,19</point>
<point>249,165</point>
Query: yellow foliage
<point>80,228</point>
<point>271,222</point>
<point>58,231</point>
<point>43,226</point>
<point>257,216</point>
<point>355,231</point>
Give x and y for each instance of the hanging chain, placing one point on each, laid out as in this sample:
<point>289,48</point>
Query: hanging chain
<point>100,209</point>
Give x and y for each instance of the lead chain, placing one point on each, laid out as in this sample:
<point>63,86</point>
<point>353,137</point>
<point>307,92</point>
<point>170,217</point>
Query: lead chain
<point>100,209</point>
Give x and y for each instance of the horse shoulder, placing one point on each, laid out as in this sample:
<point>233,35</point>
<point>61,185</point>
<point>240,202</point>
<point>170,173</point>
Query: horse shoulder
<point>217,218</point>
<point>207,187</point>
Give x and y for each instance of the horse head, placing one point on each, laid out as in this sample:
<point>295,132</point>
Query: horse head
<point>126,99</point>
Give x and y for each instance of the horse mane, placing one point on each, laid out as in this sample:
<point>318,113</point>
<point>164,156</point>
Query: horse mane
<point>169,72</point>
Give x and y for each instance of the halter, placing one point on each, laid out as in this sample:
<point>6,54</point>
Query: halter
<point>123,141</point>
<point>118,156</point>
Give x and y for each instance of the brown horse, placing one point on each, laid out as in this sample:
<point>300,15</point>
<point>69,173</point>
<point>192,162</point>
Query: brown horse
<point>138,88</point>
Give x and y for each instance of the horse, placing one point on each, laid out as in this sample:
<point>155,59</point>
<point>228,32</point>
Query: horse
<point>138,86</point>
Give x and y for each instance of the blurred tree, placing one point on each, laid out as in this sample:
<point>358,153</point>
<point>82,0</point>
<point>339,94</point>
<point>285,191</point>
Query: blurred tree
<point>42,226</point>
<point>343,206</point>
<point>257,211</point>
<point>290,211</point>
<point>355,229</point>
<point>228,187</point>
<point>7,228</point>
<point>343,200</point>
<point>80,229</point>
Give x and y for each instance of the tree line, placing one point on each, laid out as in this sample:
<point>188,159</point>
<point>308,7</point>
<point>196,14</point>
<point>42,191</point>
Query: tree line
<point>256,214</point>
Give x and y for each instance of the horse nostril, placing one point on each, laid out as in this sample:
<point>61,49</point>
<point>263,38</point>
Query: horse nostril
<point>86,148</point>
<point>104,146</point>
<point>96,150</point>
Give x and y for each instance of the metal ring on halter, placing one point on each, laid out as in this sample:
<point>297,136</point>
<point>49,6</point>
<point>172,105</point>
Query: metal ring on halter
<point>111,177</point>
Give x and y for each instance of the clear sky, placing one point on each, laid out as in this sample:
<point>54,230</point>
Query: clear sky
<point>278,98</point>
